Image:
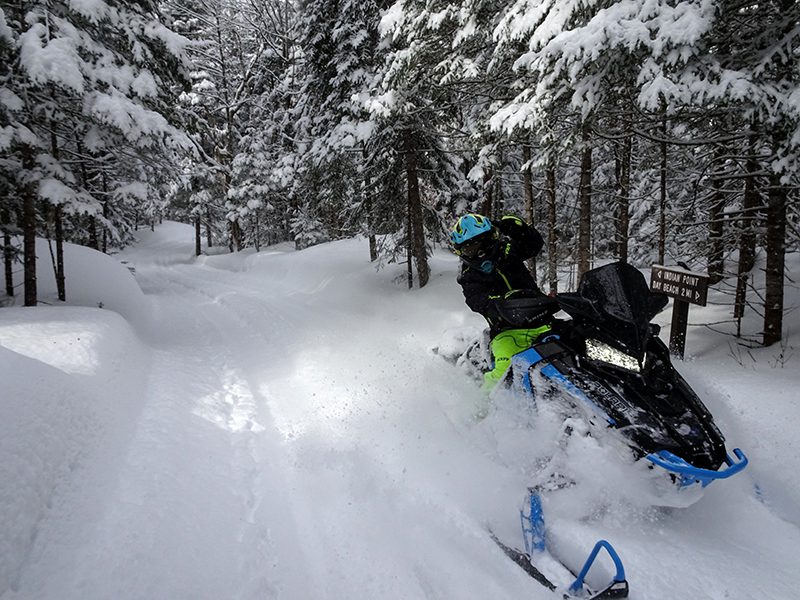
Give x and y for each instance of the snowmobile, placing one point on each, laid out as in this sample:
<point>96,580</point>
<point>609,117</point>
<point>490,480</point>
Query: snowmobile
<point>607,366</point>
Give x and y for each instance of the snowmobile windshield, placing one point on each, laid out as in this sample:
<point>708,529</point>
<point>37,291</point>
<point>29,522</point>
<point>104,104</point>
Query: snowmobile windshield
<point>617,299</point>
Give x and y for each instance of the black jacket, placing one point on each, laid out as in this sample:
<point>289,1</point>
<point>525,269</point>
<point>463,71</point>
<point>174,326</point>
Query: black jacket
<point>517,242</point>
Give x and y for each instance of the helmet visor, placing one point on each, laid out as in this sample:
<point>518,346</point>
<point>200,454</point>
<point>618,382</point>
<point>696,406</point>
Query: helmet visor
<point>475,248</point>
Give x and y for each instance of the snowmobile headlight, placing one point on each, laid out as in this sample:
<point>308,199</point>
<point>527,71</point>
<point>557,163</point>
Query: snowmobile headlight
<point>597,350</point>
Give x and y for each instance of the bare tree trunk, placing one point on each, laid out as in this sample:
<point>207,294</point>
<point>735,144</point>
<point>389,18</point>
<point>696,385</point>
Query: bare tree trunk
<point>373,242</point>
<point>623,203</point>
<point>552,237</point>
<point>105,208</point>
<point>777,202</point>
<point>8,254</point>
<point>197,236</point>
<point>415,210</point>
<point>208,227</point>
<point>776,253</point>
<point>527,188</point>
<point>716,260</point>
<point>94,240</point>
<point>747,236</point>
<point>662,204</point>
<point>498,207</point>
<point>585,207</point>
<point>61,278</point>
<point>29,232</point>
<point>58,224</point>
<point>236,236</point>
<point>488,194</point>
<point>409,245</point>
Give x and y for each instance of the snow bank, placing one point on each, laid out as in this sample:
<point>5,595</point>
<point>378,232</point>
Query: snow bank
<point>64,373</point>
<point>45,419</point>
<point>92,279</point>
<point>70,375</point>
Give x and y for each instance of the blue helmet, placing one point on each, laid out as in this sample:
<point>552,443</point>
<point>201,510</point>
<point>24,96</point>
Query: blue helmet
<point>469,227</point>
<point>473,239</point>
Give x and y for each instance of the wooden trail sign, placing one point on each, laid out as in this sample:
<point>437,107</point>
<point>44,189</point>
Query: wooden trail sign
<point>687,287</point>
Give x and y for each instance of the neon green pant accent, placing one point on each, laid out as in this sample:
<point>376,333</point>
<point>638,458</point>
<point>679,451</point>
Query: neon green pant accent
<point>505,345</point>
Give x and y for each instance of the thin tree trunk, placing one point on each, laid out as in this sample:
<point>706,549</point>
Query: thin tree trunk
<point>552,237</point>
<point>409,246</point>
<point>373,241</point>
<point>527,188</point>
<point>208,227</point>
<point>662,203</point>
<point>497,183</point>
<point>58,224</point>
<point>585,207</point>
<point>623,204</point>
<point>61,278</point>
<point>29,232</point>
<point>776,252</point>
<point>94,239</point>
<point>716,260</point>
<point>8,255</point>
<point>236,236</point>
<point>777,202</point>
<point>488,193</point>
<point>415,210</point>
<point>105,211</point>
<point>235,230</point>
<point>747,236</point>
<point>197,236</point>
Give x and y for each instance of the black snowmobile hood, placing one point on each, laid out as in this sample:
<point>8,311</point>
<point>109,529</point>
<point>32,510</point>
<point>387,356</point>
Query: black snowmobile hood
<point>616,299</point>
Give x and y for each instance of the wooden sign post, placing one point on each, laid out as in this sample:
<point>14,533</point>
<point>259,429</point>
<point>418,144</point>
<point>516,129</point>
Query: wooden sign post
<point>687,287</point>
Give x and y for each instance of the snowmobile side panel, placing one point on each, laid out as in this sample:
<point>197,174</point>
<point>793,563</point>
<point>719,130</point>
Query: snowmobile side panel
<point>526,360</point>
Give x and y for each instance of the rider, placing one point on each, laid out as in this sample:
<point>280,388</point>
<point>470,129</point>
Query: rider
<point>493,270</point>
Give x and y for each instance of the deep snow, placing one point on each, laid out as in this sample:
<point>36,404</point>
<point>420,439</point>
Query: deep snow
<point>277,425</point>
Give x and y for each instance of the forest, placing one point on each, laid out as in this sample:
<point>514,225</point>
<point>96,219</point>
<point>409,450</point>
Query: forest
<point>647,131</point>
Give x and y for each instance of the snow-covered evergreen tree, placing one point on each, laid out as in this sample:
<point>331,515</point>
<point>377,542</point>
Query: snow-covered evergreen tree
<point>87,90</point>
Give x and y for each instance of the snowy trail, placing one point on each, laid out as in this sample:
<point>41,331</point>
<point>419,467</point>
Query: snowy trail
<point>291,436</point>
<point>269,459</point>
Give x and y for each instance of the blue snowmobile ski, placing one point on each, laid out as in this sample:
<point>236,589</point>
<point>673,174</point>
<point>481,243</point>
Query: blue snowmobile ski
<point>537,561</point>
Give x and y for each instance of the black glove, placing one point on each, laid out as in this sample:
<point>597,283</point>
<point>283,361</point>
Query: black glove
<point>526,241</point>
<point>508,225</point>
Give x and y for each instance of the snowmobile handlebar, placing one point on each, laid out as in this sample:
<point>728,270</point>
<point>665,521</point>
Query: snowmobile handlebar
<point>691,474</point>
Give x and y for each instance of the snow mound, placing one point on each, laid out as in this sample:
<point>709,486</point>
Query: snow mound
<point>63,372</point>
<point>92,279</point>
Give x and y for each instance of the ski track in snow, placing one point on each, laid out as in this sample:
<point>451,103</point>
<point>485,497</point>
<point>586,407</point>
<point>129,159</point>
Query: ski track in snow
<point>239,481</point>
<point>295,439</point>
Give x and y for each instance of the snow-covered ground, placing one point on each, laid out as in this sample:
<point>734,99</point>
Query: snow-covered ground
<point>277,425</point>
